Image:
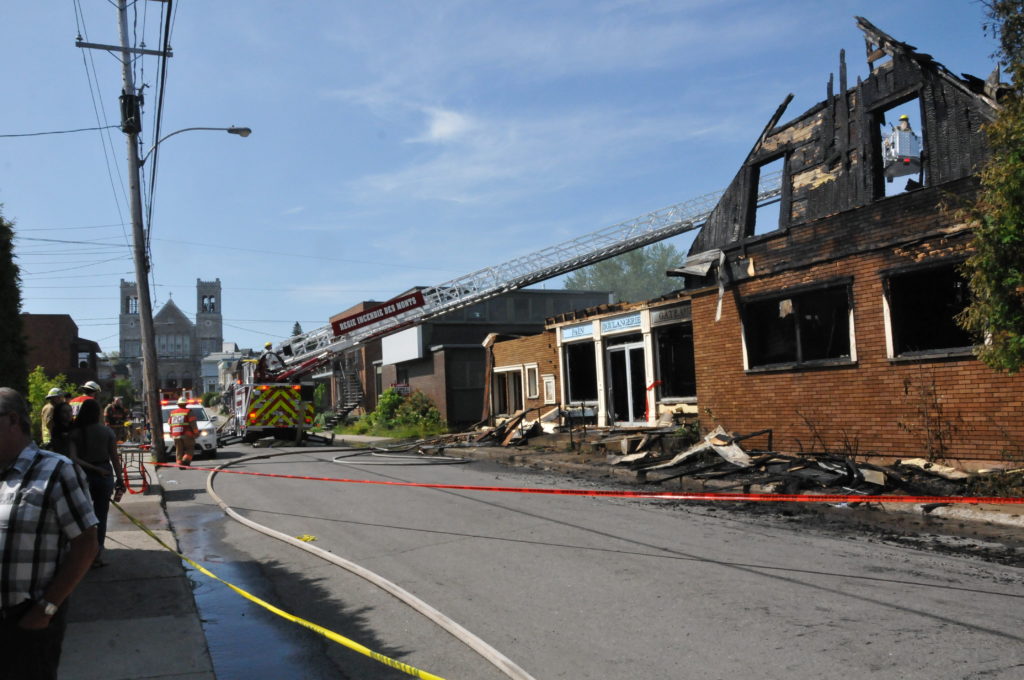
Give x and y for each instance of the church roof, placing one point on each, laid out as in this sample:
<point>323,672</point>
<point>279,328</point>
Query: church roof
<point>170,313</point>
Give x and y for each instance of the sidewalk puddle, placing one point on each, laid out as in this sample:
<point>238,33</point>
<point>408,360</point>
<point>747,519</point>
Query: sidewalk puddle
<point>245,640</point>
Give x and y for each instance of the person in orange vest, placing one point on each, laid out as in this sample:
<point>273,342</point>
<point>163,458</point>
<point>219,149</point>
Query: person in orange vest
<point>89,391</point>
<point>184,431</point>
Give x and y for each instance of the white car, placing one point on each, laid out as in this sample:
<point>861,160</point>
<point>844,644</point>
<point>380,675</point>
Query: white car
<point>206,442</point>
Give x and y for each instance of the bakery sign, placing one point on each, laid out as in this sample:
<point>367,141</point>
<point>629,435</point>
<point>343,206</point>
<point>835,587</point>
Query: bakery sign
<point>667,315</point>
<point>620,323</point>
<point>584,330</point>
<point>387,310</point>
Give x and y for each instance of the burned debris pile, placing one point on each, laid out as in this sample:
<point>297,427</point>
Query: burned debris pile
<point>730,462</point>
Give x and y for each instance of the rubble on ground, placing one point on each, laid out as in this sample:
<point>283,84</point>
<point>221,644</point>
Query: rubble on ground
<point>730,461</point>
<point>719,456</point>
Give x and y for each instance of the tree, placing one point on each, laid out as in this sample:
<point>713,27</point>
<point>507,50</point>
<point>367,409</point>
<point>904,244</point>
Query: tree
<point>995,270</point>
<point>297,329</point>
<point>633,276</point>
<point>123,388</point>
<point>13,372</point>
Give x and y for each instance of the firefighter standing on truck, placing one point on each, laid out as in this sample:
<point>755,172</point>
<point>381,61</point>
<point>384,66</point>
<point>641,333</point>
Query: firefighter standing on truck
<point>183,431</point>
<point>268,365</point>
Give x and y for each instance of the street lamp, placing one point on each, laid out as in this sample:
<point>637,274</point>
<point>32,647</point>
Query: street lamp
<point>147,336</point>
<point>233,130</point>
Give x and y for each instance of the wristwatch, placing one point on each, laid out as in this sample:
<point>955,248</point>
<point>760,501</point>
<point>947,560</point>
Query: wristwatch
<point>49,608</point>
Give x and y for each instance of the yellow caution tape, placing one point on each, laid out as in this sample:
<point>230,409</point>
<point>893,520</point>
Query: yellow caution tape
<point>306,537</point>
<point>329,634</point>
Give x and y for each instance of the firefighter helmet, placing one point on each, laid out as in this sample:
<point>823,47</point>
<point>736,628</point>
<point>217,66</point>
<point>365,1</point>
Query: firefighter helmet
<point>182,401</point>
<point>55,392</point>
<point>92,386</point>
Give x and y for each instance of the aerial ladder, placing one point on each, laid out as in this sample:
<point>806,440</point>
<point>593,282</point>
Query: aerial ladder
<point>309,351</point>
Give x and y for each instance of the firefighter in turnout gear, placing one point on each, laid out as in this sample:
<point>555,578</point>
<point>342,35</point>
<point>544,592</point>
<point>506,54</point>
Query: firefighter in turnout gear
<point>183,431</point>
<point>269,364</point>
<point>89,391</point>
<point>114,416</point>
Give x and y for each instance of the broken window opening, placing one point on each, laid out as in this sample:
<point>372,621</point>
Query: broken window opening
<point>581,372</point>
<point>766,215</point>
<point>812,326</point>
<point>923,305</point>
<point>676,369</point>
<point>508,392</point>
<point>900,167</point>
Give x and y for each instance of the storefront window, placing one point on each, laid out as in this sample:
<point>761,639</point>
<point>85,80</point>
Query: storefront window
<point>581,372</point>
<point>675,361</point>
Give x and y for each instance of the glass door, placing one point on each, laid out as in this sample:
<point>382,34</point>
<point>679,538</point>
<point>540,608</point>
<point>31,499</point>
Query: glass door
<point>627,398</point>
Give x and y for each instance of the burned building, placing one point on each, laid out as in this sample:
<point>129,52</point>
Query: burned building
<point>627,364</point>
<point>830,317</point>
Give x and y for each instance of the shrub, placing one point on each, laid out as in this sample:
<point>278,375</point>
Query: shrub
<point>400,417</point>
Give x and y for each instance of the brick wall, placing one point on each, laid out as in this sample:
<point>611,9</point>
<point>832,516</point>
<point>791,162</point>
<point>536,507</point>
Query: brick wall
<point>538,349</point>
<point>956,407</point>
<point>50,341</point>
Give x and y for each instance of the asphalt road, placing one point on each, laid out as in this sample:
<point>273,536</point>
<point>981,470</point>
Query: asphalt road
<point>573,587</point>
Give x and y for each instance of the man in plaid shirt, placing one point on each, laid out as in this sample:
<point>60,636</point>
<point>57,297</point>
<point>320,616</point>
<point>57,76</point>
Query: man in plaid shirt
<point>47,544</point>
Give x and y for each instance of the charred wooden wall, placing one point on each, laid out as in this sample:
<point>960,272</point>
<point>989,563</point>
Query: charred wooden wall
<point>832,151</point>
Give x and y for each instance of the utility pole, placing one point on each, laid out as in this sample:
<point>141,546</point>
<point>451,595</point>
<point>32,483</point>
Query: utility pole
<point>131,125</point>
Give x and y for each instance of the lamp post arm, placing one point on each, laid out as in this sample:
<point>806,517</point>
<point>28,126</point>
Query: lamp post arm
<point>240,131</point>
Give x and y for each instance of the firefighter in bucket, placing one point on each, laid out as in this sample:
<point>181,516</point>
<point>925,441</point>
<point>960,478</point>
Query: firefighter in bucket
<point>183,431</point>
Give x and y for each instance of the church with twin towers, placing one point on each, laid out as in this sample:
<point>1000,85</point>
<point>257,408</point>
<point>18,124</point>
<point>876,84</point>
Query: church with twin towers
<point>180,343</point>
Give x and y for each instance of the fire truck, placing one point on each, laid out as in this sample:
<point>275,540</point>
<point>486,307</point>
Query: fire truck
<point>264,406</point>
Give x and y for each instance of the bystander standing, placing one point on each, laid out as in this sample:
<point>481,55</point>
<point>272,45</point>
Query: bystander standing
<point>47,542</point>
<point>95,449</point>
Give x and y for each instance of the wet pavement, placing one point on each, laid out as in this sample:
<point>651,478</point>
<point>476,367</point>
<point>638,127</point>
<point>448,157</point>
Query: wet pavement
<point>150,615</point>
<point>136,617</point>
<point>245,640</point>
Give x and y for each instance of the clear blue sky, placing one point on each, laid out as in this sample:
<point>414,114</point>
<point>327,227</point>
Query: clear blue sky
<point>397,143</point>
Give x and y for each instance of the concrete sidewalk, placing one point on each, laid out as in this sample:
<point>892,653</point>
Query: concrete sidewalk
<point>136,617</point>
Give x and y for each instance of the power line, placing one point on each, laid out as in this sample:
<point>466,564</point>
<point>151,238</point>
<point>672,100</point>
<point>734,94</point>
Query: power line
<point>58,132</point>
<point>93,80</point>
<point>79,228</point>
<point>78,277</point>
<point>60,240</point>
<point>68,269</point>
<point>261,332</point>
<point>309,257</point>
<point>65,298</point>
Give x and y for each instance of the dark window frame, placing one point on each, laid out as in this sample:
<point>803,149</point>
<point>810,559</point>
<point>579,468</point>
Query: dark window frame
<point>897,337</point>
<point>682,376</point>
<point>581,386</point>
<point>754,176</point>
<point>800,332</point>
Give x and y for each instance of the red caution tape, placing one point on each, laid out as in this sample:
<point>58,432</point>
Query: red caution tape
<point>655,495</point>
